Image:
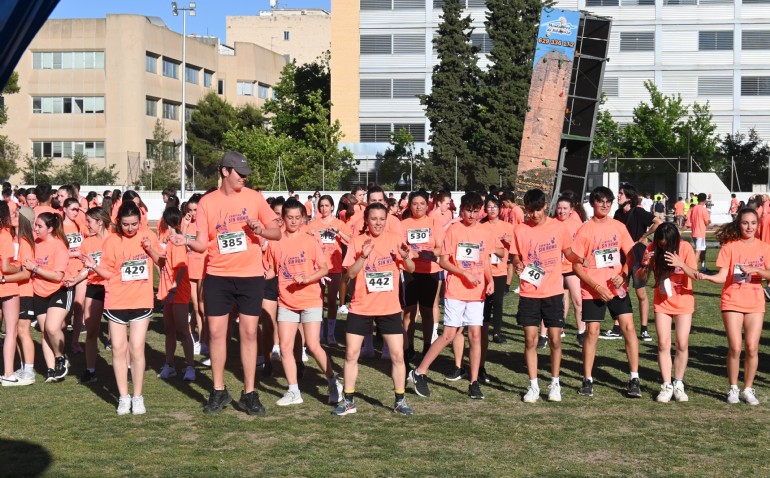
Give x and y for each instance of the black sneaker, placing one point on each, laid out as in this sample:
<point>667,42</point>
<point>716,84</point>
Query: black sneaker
<point>767,293</point>
<point>87,377</point>
<point>581,337</point>
<point>587,389</point>
<point>218,400</point>
<point>542,342</point>
<point>50,376</point>
<point>420,384</point>
<point>498,339</point>
<point>60,369</point>
<point>250,403</point>
<point>645,336</point>
<point>456,374</point>
<point>474,390</point>
<point>634,389</point>
<point>483,377</point>
<point>267,369</point>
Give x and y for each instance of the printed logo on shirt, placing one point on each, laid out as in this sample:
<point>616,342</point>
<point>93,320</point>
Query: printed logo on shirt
<point>231,218</point>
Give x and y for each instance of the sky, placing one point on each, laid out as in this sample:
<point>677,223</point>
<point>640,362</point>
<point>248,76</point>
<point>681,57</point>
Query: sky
<point>210,18</point>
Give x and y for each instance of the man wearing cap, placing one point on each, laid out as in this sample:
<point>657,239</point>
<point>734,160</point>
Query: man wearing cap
<point>230,223</point>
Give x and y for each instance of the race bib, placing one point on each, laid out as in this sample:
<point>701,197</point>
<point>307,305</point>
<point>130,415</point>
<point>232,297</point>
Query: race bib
<point>666,287</point>
<point>418,236</point>
<point>533,274</point>
<point>493,259</point>
<point>75,240</point>
<point>231,242</point>
<point>327,237</point>
<point>739,277</point>
<point>607,258</point>
<point>468,251</point>
<point>379,281</point>
<point>134,270</point>
<point>97,257</point>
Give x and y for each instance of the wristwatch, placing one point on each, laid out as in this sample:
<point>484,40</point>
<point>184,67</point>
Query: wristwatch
<point>2,279</point>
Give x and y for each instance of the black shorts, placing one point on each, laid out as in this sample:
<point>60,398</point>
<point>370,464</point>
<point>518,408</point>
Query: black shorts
<point>26,308</point>
<point>124,316</point>
<point>550,310</point>
<point>564,279</point>
<point>95,292</point>
<point>271,289</point>
<point>61,299</point>
<point>421,289</point>
<point>594,310</point>
<point>221,293</point>
<point>362,324</point>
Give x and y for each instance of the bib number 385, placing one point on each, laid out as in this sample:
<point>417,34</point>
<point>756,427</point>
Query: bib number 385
<point>134,270</point>
<point>231,242</point>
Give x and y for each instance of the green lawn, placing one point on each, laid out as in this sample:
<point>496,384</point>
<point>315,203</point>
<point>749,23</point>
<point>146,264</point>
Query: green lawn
<point>68,429</point>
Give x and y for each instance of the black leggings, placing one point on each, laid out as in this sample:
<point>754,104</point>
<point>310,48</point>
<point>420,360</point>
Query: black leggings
<point>493,305</point>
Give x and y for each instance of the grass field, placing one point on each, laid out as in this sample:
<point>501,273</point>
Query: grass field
<point>68,429</point>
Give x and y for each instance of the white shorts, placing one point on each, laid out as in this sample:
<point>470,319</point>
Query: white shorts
<point>458,313</point>
<point>700,243</point>
<point>304,316</point>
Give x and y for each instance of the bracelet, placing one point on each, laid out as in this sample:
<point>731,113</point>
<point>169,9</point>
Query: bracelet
<point>186,241</point>
<point>596,287</point>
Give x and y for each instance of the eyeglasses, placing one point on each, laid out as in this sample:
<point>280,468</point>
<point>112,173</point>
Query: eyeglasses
<point>606,202</point>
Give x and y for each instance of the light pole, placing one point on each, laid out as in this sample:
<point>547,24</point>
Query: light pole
<point>191,11</point>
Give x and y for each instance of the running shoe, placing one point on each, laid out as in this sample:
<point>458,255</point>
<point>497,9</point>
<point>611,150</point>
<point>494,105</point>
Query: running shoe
<point>634,389</point>
<point>542,342</point>
<point>434,337</point>
<point>456,374</point>
<point>87,377</point>
<point>532,395</point>
<point>420,383</point>
<point>733,395</point>
<point>587,389</point>
<point>168,371</point>
<point>517,290</point>
<point>474,391</point>
<point>276,354</point>
<point>197,348</point>
<point>290,398</point>
<point>611,334</point>
<point>554,392</point>
<point>563,333</point>
<point>402,408</point>
<point>498,339</point>
<point>250,403</point>
<point>343,309</point>
<point>124,405</point>
<point>218,400</point>
<point>665,394</point>
<point>483,377</point>
<point>50,376</point>
<point>679,394</point>
<point>189,374</point>
<point>581,338</point>
<point>767,293</point>
<point>305,358</point>
<point>748,396</point>
<point>61,368</point>
<point>26,377</point>
<point>346,407</point>
<point>12,381</point>
<point>206,361</point>
<point>645,336</point>
<point>137,406</point>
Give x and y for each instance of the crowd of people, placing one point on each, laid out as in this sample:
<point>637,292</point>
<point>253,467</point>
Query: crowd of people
<point>272,267</point>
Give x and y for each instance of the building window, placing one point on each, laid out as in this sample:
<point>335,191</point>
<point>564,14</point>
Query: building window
<point>67,104</point>
<point>482,42</point>
<point>637,41</point>
<point>376,5</point>
<point>610,87</point>
<point>417,130</point>
<point>208,77</point>
<point>408,4</point>
<point>151,106</point>
<point>375,132</point>
<point>170,111</point>
<point>245,88</point>
<point>602,3</point>
<point>286,36</point>
<point>680,2</point>
<point>170,68</point>
<point>263,91</point>
<point>191,74</point>
<point>715,40</point>
<point>220,87</point>
<point>151,63</point>
<point>715,86</point>
<point>376,44</point>
<point>67,149</point>
<point>188,111</point>
<point>755,86</point>
<point>756,39</point>
<point>409,44</point>
<point>68,60</point>
<point>476,4</point>
<point>756,1</point>
<point>375,88</point>
<point>408,88</point>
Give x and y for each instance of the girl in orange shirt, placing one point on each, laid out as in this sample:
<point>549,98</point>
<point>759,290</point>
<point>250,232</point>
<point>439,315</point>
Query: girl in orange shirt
<point>9,295</point>
<point>565,207</point>
<point>51,299</point>
<point>743,262</point>
<point>673,263</point>
<point>195,267</point>
<point>24,243</point>
<point>270,340</point>
<point>98,230</point>
<point>75,231</point>
<point>126,265</point>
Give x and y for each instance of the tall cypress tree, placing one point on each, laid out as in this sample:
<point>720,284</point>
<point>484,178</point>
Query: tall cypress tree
<point>512,28</point>
<point>450,107</point>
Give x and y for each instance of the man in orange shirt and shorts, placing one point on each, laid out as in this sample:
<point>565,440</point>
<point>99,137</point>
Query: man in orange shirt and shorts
<point>700,219</point>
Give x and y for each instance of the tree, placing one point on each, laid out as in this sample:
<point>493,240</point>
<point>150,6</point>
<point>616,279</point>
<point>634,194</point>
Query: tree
<point>750,154</point>
<point>450,106</point>
<point>511,26</point>
<point>10,152</point>
<point>38,170</point>
<point>80,170</point>
<point>164,171</point>
<point>399,160</point>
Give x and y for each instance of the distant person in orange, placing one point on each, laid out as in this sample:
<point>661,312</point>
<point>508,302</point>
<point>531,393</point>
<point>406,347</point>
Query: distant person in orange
<point>734,204</point>
<point>699,220</point>
<point>679,212</point>
<point>309,207</point>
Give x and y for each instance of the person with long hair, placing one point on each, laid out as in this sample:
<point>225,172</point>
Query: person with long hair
<point>672,261</point>
<point>9,295</point>
<point>269,314</point>
<point>743,262</point>
<point>132,196</point>
<point>24,243</point>
<point>75,231</point>
<point>195,266</point>
<point>126,265</point>
<point>52,300</point>
<point>565,209</point>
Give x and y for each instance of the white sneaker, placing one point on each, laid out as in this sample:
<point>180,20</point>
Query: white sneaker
<point>554,392</point>
<point>137,406</point>
<point>189,374</point>
<point>385,352</point>
<point>532,395</point>
<point>276,355</point>
<point>124,405</point>
<point>290,398</point>
<point>26,377</point>
<point>517,290</point>
<point>748,396</point>
<point>167,372</point>
<point>679,394</point>
<point>343,309</point>
<point>335,392</point>
<point>205,349</point>
<point>197,348</point>
<point>563,334</point>
<point>434,337</point>
<point>206,361</point>
<point>305,358</point>
<point>733,396</point>
<point>665,394</point>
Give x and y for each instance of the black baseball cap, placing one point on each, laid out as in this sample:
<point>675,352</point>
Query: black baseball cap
<point>237,161</point>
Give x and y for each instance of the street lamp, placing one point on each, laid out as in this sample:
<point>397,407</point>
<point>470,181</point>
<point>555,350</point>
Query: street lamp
<point>191,11</point>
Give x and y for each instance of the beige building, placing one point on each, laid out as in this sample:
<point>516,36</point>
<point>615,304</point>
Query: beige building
<point>303,34</point>
<point>97,86</point>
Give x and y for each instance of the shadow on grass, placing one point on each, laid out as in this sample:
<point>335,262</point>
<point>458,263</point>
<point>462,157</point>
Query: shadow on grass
<point>23,458</point>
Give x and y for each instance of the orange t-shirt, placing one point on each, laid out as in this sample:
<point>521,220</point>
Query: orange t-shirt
<point>392,224</point>
<point>734,206</point>
<point>299,255</point>
<point>499,229</point>
<point>699,219</point>
<point>573,223</point>
<point>92,246</point>
<point>41,209</point>
<point>125,258</point>
<point>196,261</point>
<point>741,293</point>
<point>542,247</point>
<point>600,238</point>
<point>682,301</point>
<point>380,271</point>
<point>174,276</point>
<point>309,208</point>
<point>53,255</point>
<point>26,251</point>
<point>331,245</point>
<point>7,251</point>
<point>477,241</point>
<point>764,228</point>
<point>679,208</point>
<point>234,250</point>
<point>424,234</point>
<point>75,233</point>
<point>442,218</point>
<point>518,215</point>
